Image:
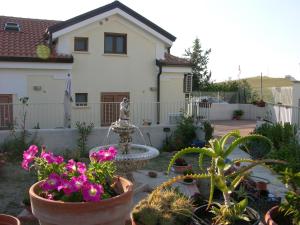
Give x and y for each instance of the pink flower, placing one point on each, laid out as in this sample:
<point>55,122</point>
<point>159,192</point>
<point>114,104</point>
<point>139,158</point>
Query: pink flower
<point>78,182</point>
<point>79,167</point>
<point>50,196</point>
<point>51,158</point>
<point>28,156</point>
<point>104,155</point>
<point>52,183</point>
<point>92,192</point>
<point>66,186</point>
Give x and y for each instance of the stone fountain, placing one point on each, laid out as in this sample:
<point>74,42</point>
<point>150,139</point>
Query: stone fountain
<point>131,157</point>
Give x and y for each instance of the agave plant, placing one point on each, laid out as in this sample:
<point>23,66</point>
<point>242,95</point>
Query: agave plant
<point>218,151</point>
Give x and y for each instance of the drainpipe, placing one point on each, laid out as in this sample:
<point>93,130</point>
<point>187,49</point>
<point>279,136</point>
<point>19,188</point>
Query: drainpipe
<point>158,91</point>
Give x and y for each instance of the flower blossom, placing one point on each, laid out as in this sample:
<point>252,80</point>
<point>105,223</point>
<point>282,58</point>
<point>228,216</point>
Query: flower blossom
<point>79,167</point>
<point>104,155</point>
<point>28,156</point>
<point>78,182</point>
<point>67,187</point>
<point>92,192</point>
<point>52,182</point>
<point>51,158</point>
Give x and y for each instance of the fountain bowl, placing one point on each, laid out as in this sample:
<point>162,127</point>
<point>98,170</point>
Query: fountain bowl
<point>136,159</point>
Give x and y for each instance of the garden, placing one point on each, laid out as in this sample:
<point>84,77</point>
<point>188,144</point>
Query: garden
<point>86,189</point>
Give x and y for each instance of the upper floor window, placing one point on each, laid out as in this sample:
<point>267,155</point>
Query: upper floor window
<point>115,43</point>
<point>81,44</point>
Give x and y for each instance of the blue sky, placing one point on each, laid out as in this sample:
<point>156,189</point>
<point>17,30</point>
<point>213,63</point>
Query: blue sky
<point>259,35</point>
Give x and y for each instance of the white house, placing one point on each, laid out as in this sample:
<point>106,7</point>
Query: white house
<point>109,52</point>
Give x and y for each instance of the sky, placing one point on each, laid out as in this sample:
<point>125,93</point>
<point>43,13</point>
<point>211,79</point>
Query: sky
<point>260,36</point>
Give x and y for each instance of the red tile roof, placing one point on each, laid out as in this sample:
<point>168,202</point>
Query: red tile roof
<point>171,60</point>
<point>22,45</point>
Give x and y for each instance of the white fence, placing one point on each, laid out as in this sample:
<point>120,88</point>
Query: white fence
<point>51,115</point>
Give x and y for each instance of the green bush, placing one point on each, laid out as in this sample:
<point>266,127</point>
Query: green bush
<point>183,135</point>
<point>285,145</point>
<point>208,130</point>
<point>290,153</point>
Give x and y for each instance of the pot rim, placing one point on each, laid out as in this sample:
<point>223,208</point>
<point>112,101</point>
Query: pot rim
<point>269,213</point>
<point>11,217</point>
<point>115,198</point>
<point>254,212</point>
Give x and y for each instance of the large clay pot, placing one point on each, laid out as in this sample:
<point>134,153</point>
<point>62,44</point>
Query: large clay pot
<point>113,211</point>
<point>8,220</point>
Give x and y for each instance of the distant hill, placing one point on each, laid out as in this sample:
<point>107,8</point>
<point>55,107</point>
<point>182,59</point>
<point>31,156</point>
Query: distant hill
<point>267,82</point>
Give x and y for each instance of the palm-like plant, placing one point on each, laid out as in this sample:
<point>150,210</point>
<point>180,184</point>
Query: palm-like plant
<point>218,151</point>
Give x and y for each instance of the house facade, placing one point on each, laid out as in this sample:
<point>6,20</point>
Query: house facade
<point>110,53</point>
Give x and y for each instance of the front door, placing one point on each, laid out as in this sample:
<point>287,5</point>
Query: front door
<point>6,111</point>
<point>110,106</point>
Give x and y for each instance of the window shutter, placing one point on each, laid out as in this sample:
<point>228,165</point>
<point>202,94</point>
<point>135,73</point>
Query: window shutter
<point>187,83</point>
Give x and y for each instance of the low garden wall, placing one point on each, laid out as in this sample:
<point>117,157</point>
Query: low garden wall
<point>62,139</point>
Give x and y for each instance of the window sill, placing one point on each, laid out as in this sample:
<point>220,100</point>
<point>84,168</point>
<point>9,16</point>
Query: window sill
<point>81,107</point>
<point>113,54</point>
<point>81,52</point>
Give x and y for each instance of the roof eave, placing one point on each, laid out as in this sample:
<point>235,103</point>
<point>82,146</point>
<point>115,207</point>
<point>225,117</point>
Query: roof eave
<point>114,5</point>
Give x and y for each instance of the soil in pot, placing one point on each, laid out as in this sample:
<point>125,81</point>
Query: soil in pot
<point>205,215</point>
<point>8,220</point>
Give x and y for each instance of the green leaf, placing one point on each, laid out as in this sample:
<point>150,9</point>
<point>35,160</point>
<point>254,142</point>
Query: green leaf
<point>223,140</point>
<point>243,140</point>
<point>243,204</point>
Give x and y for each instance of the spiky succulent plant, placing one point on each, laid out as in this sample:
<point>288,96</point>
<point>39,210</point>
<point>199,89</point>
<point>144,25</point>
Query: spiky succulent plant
<point>164,207</point>
<point>218,172</point>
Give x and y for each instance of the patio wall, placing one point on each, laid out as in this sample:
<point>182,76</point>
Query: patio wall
<point>61,139</point>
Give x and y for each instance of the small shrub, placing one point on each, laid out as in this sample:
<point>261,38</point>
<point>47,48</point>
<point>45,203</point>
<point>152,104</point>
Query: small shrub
<point>84,131</point>
<point>237,114</point>
<point>208,130</point>
<point>183,135</point>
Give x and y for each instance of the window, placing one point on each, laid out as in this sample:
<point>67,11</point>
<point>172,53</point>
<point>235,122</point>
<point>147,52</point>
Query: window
<point>187,83</point>
<point>81,99</point>
<point>9,26</point>
<point>81,44</point>
<point>115,43</point>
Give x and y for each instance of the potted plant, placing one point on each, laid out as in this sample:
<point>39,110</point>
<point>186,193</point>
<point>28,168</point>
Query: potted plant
<point>237,114</point>
<point>188,180</point>
<point>8,220</point>
<point>288,212</point>
<point>164,207</point>
<point>180,165</point>
<point>75,193</point>
<point>228,212</point>
<point>260,103</point>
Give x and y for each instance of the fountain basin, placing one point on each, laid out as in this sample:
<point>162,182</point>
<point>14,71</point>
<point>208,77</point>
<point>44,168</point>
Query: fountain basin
<point>136,159</point>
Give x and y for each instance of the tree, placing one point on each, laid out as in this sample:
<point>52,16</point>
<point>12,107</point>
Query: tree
<point>199,59</point>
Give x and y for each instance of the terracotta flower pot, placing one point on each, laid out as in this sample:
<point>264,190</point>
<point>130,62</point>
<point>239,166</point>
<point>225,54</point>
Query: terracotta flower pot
<point>181,169</point>
<point>261,186</point>
<point>8,220</point>
<point>270,214</point>
<point>113,211</point>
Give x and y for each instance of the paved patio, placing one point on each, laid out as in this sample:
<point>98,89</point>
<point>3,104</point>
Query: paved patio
<point>224,126</point>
